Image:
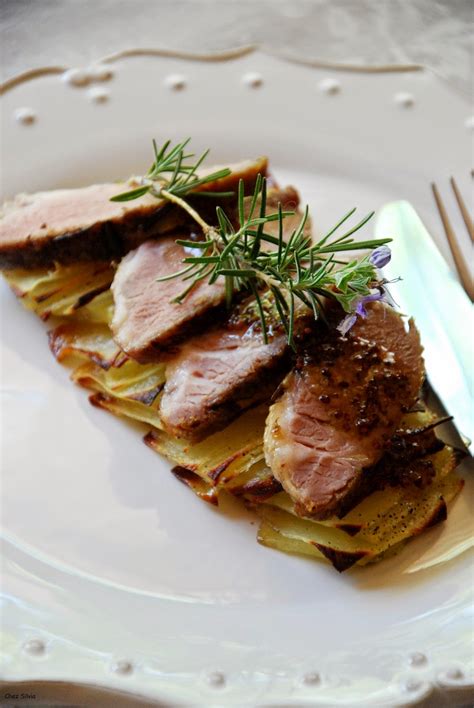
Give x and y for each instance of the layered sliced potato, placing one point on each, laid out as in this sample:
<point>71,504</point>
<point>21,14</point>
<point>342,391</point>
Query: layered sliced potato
<point>221,457</point>
<point>130,390</point>
<point>76,342</point>
<point>232,460</point>
<point>62,290</point>
<point>385,519</point>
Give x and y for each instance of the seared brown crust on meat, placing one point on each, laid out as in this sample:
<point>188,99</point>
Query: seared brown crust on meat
<point>339,407</point>
<point>66,226</point>
<point>102,240</point>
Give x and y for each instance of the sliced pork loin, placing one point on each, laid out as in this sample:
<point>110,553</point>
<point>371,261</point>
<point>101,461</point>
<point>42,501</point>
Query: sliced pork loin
<point>339,407</point>
<point>219,374</point>
<point>145,320</point>
<point>69,225</point>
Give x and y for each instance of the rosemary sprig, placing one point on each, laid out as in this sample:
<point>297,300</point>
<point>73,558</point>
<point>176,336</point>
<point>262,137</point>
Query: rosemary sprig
<point>172,170</point>
<point>296,273</point>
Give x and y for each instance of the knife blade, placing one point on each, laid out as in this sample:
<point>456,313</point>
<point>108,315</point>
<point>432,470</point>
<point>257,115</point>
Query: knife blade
<point>431,294</point>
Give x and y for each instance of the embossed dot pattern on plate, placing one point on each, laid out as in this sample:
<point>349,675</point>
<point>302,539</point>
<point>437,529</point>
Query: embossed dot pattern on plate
<point>216,679</point>
<point>412,685</point>
<point>418,659</point>
<point>252,79</point>
<point>329,86</point>
<point>469,123</point>
<point>312,678</point>
<point>98,95</point>
<point>25,116</point>
<point>455,674</point>
<point>175,82</point>
<point>123,667</point>
<point>404,99</point>
<point>34,647</point>
<point>76,77</point>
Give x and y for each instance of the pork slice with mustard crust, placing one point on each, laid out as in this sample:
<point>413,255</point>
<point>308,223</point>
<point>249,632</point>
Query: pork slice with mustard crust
<point>338,408</point>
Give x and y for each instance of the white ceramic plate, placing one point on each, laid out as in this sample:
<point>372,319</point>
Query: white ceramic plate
<point>114,574</point>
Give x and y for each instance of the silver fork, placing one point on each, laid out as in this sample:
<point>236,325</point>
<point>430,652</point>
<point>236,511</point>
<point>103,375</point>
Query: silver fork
<point>462,267</point>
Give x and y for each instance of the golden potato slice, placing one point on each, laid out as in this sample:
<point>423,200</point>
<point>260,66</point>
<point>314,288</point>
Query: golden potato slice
<point>269,536</point>
<point>126,409</point>
<point>62,290</point>
<point>220,457</point>
<point>99,310</point>
<point>75,342</point>
<point>145,391</point>
<point>204,490</point>
<point>130,380</point>
<point>283,501</point>
<point>254,485</point>
<point>130,391</point>
<point>337,546</point>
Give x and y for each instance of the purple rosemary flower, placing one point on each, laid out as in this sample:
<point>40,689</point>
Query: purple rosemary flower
<point>359,310</point>
<point>361,302</point>
<point>380,257</point>
<point>345,325</point>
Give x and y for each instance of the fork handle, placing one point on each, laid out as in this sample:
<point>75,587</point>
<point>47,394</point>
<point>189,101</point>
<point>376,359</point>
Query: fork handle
<point>461,265</point>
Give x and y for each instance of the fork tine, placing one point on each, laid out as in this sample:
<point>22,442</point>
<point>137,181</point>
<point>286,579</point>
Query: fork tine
<point>463,209</point>
<point>461,265</point>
